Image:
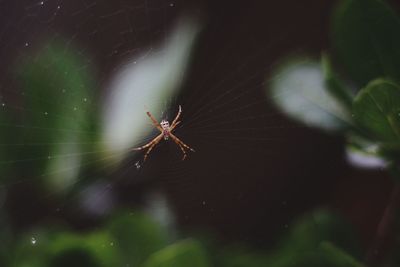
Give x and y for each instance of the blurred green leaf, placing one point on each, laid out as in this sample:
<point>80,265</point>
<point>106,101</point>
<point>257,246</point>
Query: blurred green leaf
<point>338,256</point>
<point>321,225</point>
<point>334,86</point>
<point>31,250</point>
<point>58,119</point>
<point>298,89</point>
<point>393,168</point>
<point>240,256</point>
<point>182,254</point>
<point>77,257</point>
<point>300,247</point>
<point>97,248</point>
<point>137,236</point>
<point>377,110</point>
<point>366,35</point>
<point>59,248</point>
<point>103,246</point>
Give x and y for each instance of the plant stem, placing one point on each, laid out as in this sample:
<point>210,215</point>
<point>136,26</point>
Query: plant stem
<point>382,239</point>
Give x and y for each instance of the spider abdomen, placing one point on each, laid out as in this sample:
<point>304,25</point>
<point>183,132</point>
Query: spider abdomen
<point>166,134</point>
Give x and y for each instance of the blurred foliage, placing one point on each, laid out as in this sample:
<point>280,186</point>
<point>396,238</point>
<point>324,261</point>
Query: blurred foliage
<point>381,100</point>
<point>366,36</point>
<point>304,245</point>
<point>334,86</point>
<point>60,115</point>
<point>137,236</point>
<point>136,240</point>
<point>298,90</point>
<point>126,241</point>
<point>366,41</point>
<point>337,256</point>
<point>181,254</point>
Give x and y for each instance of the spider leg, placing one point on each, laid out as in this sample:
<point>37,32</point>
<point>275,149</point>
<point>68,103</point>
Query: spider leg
<point>156,139</point>
<point>174,122</point>
<point>150,148</point>
<point>173,126</point>
<point>155,122</point>
<point>183,150</point>
<point>177,140</point>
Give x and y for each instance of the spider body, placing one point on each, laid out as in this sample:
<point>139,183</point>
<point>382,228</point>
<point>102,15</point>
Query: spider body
<point>166,132</point>
<point>166,129</point>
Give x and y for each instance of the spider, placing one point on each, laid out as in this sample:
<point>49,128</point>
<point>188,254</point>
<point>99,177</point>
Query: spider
<point>166,133</point>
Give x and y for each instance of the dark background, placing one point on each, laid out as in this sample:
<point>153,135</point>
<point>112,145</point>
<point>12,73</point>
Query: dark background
<point>250,176</point>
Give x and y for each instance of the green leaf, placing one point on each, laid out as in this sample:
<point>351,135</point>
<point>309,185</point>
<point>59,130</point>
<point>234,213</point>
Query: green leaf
<point>394,169</point>
<point>32,248</point>
<point>298,90</point>
<point>52,247</point>
<point>338,256</point>
<point>240,256</point>
<point>58,115</point>
<point>376,109</point>
<point>334,86</point>
<point>300,246</point>
<point>182,254</point>
<point>75,256</point>
<point>366,36</point>
<point>94,249</point>
<point>308,232</point>
<point>137,236</point>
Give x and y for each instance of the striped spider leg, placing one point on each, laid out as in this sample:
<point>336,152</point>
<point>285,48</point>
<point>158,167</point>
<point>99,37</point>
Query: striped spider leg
<point>166,132</point>
<point>150,145</point>
<point>181,145</point>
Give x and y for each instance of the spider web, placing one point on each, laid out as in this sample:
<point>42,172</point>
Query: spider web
<point>239,171</point>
